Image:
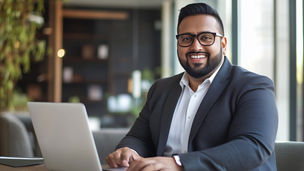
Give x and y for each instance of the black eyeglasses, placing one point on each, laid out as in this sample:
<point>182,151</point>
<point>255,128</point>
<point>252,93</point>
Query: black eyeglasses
<point>204,38</point>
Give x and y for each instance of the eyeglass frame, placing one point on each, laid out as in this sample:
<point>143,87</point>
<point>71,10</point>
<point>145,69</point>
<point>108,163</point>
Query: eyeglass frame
<point>196,36</point>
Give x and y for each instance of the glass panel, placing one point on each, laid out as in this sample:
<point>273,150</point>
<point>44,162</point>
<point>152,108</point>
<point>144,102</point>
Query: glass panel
<point>256,45</point>
<point>299,20</point>
<point>224,10</point>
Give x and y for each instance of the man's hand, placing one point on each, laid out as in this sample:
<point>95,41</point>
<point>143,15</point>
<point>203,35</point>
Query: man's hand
<point>122,157</point>
<point>154,163</point>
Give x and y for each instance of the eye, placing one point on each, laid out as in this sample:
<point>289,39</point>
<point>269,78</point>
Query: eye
<point>186,38</point>
<point>206,37</point>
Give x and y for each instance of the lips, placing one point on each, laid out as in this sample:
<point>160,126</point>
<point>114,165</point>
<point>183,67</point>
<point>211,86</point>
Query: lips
<point>197,57</point>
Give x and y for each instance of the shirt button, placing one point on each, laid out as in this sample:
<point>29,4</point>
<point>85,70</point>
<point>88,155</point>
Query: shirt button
<point>195,95</point>
<point>189,117</point>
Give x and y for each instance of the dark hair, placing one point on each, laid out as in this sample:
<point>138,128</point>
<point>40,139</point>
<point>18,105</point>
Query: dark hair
<point>199,8</point>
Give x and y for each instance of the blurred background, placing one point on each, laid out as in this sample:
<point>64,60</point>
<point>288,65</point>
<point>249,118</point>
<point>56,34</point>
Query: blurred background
<point>107,53</point>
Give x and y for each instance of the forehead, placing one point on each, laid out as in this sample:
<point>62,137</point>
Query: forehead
<point>198,23</point>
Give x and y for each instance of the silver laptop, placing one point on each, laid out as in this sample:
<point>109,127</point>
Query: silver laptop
<point>64,136</point>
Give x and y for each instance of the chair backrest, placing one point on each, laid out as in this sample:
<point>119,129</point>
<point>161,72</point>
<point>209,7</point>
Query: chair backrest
<point>107,139</point>
<point>14,139</point>
<point>289,155</point>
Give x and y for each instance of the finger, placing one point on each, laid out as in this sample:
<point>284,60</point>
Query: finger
<point>132,166</point>
<point>151,167</point>
<point>122,157</point>
<point>124,163</point>
<point>114,159</point>
<point>127,156</point>
<point>111,162</point>
<point>139,164</point>
<point>134,157</point>
<point>125,159</point>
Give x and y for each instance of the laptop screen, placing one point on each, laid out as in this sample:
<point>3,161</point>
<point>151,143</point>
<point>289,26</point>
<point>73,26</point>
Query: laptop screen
<point>64,136</point>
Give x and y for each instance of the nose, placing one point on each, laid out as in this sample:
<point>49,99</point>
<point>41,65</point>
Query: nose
<point>196,46</point>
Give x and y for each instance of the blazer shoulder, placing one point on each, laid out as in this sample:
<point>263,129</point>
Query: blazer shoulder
<point>163,86</point>
<point>167,83</point>
<point>243,77</point>
<point>239,77</point>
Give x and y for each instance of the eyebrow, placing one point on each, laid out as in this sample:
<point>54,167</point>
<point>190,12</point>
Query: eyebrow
<point>199,32</point>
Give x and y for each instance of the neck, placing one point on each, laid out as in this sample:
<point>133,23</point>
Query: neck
<point>195,82</point>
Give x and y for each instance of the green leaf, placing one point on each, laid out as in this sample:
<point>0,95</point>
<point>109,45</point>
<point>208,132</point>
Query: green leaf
<point>17,44</point>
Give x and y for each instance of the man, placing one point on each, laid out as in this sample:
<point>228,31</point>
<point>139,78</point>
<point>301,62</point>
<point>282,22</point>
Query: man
<point>215,116</point>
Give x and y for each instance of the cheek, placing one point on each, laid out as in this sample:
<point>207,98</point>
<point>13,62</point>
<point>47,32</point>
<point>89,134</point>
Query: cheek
<point>181,52</point>
<point>216,49</point>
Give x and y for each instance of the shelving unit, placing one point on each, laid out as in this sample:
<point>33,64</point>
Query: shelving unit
<point>87,75</point>
<point>132,41</point>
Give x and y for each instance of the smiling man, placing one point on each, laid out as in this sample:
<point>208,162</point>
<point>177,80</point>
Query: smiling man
<point>214,116</point>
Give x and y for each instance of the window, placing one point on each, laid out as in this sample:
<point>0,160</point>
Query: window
<point>256,38</point>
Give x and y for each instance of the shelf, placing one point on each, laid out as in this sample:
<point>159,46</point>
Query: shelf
<point>94,14</point>
<point>79,59</point>
<point>122,74</point>
<point>86,82</point>
<point>81,36</point>
<point>86,101</point>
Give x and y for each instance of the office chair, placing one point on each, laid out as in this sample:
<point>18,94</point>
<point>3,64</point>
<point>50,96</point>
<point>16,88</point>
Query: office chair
<point>107,139</point>
<point>289,155</point>
<point>14,138</point>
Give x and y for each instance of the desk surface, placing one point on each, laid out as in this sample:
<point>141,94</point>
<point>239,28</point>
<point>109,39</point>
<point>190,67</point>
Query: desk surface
<point>28,168</point>
<point>40,167</point>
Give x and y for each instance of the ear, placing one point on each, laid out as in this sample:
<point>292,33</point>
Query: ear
<point>224,44</point>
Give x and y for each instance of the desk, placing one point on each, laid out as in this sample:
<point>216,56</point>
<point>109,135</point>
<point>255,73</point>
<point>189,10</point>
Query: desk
<point>40,167</point>
<point>27,168</point>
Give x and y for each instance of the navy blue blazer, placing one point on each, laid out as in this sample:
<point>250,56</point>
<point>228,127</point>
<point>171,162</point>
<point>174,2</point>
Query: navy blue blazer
<point>234,128</point>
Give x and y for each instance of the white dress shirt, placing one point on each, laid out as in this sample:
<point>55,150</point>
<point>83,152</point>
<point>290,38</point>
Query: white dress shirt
<point>184,113</point>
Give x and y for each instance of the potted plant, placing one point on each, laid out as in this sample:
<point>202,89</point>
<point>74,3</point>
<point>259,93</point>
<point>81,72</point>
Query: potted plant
<point>19,46</point>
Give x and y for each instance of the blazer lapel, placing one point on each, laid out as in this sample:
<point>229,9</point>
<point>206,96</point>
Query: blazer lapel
<point>215,90</point>
<point>167,114</point>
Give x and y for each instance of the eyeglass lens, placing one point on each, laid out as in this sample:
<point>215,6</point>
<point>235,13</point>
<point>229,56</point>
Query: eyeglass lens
<point>204,39</point>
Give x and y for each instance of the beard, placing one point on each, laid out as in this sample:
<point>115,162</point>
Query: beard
<point>212,63</point>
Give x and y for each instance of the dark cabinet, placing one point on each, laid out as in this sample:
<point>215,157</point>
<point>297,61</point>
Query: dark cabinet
<point>86,66</point>
<point>103,47</point>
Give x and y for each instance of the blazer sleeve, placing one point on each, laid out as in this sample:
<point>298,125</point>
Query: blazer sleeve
<point>251,135</point>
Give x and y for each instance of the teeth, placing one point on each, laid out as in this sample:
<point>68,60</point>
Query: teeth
<point>197,56</point>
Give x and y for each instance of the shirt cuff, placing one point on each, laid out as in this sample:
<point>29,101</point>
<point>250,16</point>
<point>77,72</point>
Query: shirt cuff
<point>177,160</point>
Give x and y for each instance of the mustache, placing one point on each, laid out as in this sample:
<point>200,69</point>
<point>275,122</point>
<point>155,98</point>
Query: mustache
<point>196,52</point>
